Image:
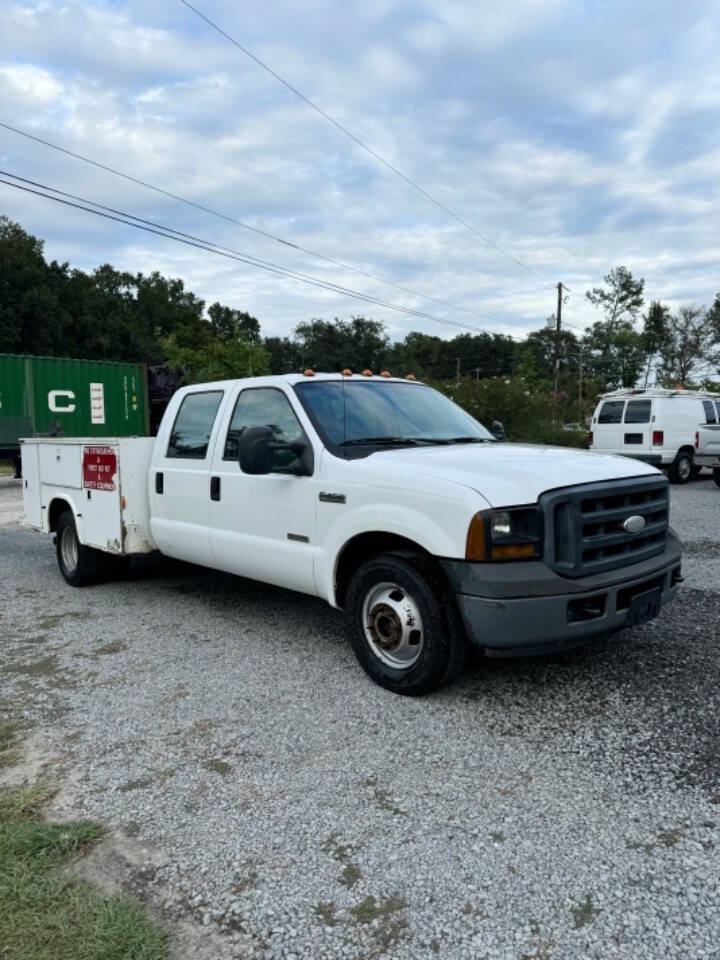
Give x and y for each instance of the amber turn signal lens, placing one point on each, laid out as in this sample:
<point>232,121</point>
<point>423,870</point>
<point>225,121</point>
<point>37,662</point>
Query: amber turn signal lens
<point>514,551</point>
<point>347,372</point>
<point>385,373</point>
<point>475,544</point>
<point>309,372</point>
<point>410,376</point>
<point>367,373</point>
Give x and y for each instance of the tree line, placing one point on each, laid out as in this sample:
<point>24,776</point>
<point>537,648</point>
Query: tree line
<point>49,308</point>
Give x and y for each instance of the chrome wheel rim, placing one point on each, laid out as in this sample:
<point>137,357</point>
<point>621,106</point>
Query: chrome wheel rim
<point>684,468</point>
<point>69,549</point>
<point>393,625</point>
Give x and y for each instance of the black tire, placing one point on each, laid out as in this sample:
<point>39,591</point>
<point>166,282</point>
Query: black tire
<point>415,582</point>
<point>696,471</point>
<point>680,470</point>
<point>79,565</point>
<point>716,475</point>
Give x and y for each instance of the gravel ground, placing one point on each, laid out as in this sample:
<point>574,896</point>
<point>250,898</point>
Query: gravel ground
<point>561,807</point>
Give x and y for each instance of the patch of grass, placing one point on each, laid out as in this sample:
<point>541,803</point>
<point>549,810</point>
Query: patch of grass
<point>371,909</point>
<point>218,766</point>
<point>47,915</point>
<point>382,798</point>
<point>668,838</point>
<point>585,913</point>
<point>350,876</point>
<point>140,783</point>
<point>116,646</point>
<point>325,912</point>
<point>8,756</point>
<point>55,619</point>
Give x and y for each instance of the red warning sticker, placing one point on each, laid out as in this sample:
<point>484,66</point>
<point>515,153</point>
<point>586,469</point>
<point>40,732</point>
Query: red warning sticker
<point>99,468</point>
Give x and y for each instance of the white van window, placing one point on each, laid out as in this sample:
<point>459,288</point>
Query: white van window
<point>709,411</point>
<point>611,411</point>
<point>638,411</point>
<point>717,407</point>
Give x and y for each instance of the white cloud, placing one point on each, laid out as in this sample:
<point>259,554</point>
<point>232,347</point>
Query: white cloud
<point>575,137</point>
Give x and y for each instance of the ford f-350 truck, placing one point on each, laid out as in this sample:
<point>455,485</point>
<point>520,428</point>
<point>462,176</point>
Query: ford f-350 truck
<point>384,498</point>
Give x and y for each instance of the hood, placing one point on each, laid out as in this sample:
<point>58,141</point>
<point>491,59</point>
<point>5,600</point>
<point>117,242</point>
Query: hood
<point>509,473</point>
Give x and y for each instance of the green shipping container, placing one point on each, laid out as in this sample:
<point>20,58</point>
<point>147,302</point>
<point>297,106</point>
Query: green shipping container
<point>52,396</point>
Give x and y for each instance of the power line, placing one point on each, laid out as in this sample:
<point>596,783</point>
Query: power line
<point>169,233</point>
<point>361,143</point>
<point>242,223</point>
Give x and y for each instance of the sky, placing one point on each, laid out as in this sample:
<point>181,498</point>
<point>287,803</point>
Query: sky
<point>576,136</point>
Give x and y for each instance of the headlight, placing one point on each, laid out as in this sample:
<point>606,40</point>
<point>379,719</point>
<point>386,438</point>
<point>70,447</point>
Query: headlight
<point>514,533</point>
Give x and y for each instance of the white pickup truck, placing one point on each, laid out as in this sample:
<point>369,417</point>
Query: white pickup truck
<point>707,448</point>
<point>384,498</point>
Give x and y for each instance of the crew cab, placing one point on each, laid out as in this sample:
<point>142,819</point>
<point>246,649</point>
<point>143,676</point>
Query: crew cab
<point>382,497</point>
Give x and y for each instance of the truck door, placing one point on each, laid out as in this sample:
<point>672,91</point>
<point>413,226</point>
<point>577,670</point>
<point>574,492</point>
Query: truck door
<point>180,480</point>
<point>263,527</point>
<point>637,431</point>
<point>608,426</point>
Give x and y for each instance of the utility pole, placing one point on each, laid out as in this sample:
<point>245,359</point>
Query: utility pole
<point>580,386</point>
<point>558,323</point>
<point>457,373</point>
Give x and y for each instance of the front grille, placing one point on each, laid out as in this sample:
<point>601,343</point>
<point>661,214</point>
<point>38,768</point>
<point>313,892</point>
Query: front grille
<point>583,524</point>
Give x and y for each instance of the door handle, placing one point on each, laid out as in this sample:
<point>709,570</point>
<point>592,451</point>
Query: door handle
<point>158,482</point>
<point>214,488</point>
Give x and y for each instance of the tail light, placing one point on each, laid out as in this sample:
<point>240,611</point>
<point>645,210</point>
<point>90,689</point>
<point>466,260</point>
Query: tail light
<point>590,438</point>
<point>697,439</point>
<point>658,438</point>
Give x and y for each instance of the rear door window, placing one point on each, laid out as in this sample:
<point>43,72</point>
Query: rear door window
<point>709,411</point>
<point>193,425</point>
<point>638,411</point>
<point>611,411</point>
<point>717,407</point>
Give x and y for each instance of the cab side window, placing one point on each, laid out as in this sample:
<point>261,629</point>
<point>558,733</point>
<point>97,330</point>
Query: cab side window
<point>611,411</point>
<point>193,425</point>
<point>264,407</point>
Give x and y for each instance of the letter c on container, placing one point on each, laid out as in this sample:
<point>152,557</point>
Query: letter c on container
<point>55,395</point>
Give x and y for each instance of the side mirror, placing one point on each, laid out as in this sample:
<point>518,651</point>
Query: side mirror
<point>497,430</point>
<point>256,446</point>
<point>255,450</point>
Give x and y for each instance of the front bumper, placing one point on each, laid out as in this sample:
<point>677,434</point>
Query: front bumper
<point>516,609</point>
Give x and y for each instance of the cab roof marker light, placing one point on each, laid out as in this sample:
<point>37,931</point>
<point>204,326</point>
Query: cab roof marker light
<point>347,372</point>
<point>410,376</point>
<point>367,373</point>
<point>385,373</point>
<point>309,372</point>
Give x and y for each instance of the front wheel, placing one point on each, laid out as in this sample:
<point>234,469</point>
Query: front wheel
<point>79,565</point>
<point>403,624</point>
<point>681,468</point>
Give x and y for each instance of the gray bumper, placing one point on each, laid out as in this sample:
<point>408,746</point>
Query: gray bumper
<point>706,461</point>
<point>514,609</point>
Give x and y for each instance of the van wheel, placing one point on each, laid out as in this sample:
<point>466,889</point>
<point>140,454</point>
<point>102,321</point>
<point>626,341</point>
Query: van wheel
<point>403,624</point>
<point>716,476</point>
<point>680,470</point>
<point>79,565</point>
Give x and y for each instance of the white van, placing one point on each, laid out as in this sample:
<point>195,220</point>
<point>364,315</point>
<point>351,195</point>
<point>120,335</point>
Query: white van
<point>656,426</point>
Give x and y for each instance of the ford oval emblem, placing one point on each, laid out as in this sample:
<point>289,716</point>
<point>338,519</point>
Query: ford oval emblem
<point>634,524</point>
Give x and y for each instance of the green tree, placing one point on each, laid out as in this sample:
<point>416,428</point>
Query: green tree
<point>216,360</point>
<point>615,351</point>
<point>689,345</point>
<point>655,333</point>
<point>284,355</point>
<point>228,324</point>
<point>327,346</point>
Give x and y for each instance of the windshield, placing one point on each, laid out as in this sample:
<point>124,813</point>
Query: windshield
<point>352,412</point>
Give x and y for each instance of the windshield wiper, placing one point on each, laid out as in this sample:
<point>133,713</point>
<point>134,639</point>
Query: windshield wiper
<point>409,441</point>
<point>449,440</point>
